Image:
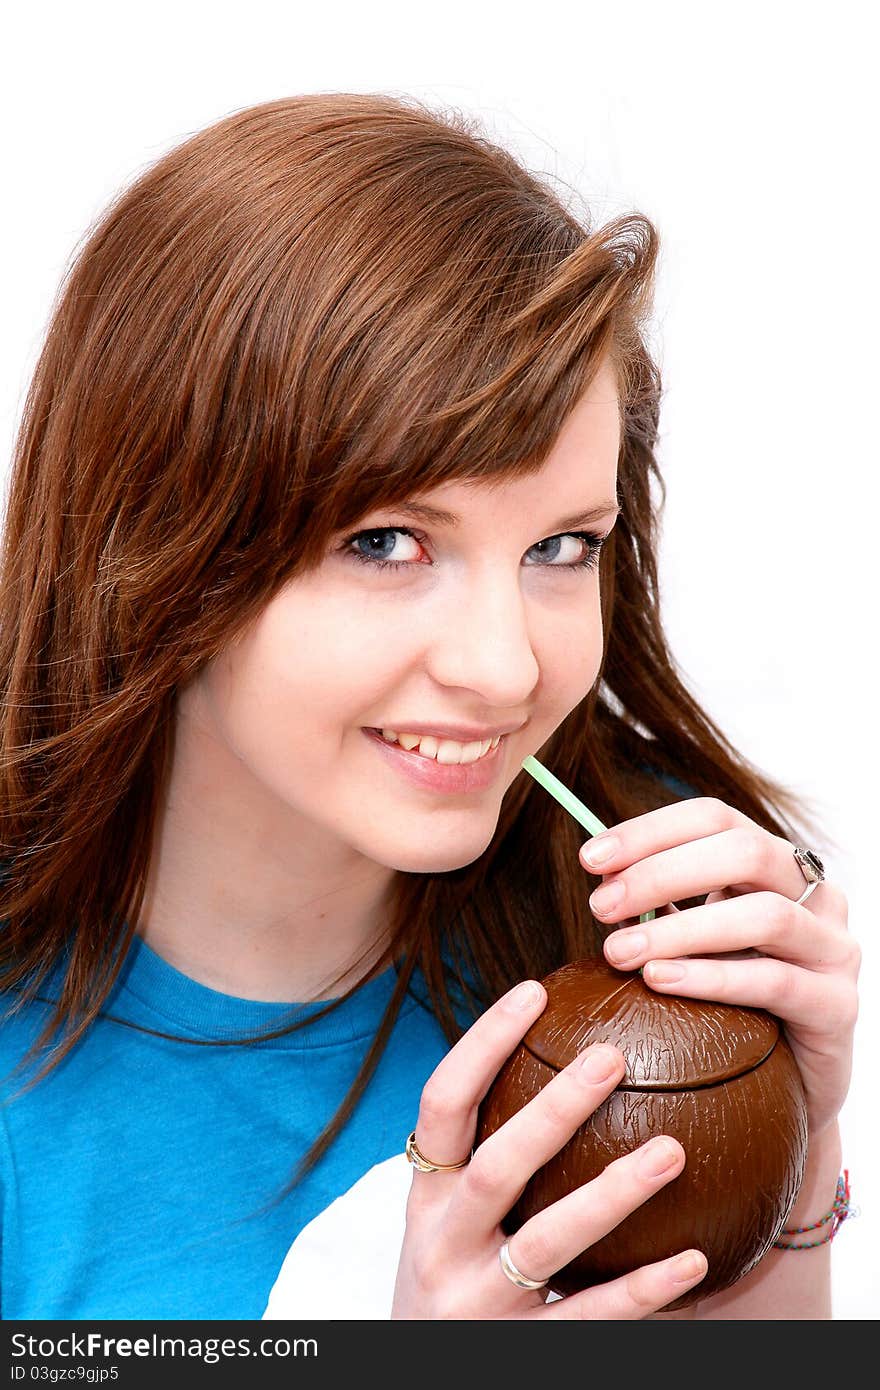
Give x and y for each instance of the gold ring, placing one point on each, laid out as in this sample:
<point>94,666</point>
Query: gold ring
<point>424,1165</point>
<point>514,1275</point>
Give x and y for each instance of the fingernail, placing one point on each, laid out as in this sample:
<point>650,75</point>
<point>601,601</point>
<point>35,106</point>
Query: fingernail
<point>657,1158</point>
<point>525,996</point>
<point>600,850</point>
<point>606,898</point>
<point>625,945</point>
<point>597,1063</point>
<point>663,972</point>
<point>687,1266</point>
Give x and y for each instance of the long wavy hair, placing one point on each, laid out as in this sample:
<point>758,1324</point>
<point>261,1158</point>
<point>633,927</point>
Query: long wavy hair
<point>314,307</point>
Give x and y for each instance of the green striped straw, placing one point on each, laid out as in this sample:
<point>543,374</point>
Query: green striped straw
<point>569,802</point>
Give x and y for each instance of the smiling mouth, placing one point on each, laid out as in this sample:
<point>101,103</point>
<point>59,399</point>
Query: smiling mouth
<point>446,752</point>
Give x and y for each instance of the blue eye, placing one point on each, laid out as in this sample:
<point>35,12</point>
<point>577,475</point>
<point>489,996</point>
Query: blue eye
<point>553,544</point>
<point>379,547</point>
<point>377,542</point>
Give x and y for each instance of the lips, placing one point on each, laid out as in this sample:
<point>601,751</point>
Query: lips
<point>430,775</point>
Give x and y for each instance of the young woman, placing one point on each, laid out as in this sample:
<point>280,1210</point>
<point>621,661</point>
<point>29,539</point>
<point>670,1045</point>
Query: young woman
<point>334,498</point>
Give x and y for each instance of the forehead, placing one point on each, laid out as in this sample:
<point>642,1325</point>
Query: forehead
<point>580,467</point>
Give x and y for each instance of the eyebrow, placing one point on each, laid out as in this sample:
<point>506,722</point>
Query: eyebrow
<point>423,511</point>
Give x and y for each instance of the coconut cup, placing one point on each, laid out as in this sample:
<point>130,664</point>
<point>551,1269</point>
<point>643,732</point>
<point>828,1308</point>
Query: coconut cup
<point>719,1078</point>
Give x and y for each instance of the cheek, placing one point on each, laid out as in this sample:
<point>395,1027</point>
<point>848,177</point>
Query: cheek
<point>312,670</point>
<point>573,683</point>
<point>569,653</point>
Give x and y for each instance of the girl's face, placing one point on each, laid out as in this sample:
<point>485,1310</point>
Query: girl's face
<point>490,624</point>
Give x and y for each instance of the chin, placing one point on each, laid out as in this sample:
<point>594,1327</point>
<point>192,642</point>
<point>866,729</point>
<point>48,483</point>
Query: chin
<point>435,858</point>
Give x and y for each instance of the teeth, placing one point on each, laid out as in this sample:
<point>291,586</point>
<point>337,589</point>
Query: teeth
<point>452,752</point>
<point>446,750</point>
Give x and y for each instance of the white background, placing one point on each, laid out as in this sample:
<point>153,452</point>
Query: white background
<point>748,134</point>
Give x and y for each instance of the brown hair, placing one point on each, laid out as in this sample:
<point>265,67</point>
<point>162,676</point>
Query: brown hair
<point>314,307</point>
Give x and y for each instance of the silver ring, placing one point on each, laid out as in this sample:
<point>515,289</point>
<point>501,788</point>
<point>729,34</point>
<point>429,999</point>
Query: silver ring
<point>513,1273</point>
<point>811,867</point>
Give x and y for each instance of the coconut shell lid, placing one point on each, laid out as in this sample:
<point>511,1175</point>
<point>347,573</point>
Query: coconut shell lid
<point>668,1043</point>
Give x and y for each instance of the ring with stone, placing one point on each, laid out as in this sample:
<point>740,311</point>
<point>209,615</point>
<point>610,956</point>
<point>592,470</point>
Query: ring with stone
<point>811,867</point>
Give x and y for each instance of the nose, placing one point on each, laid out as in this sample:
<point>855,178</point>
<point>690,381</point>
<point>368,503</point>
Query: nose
<point>481,642</point>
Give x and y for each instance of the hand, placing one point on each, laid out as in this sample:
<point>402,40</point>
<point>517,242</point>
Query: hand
<point>449,1265</point>
<point>750,943</point>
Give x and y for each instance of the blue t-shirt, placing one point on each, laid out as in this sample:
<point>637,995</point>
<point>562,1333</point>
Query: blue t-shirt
<point>130,1175</point>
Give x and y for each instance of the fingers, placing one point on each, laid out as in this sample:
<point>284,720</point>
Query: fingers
<point>556,1235</point>
<point>635,839</point>
<point>451,1096</point>
<point>764,921</point>
<point>819,1003</point>
<point>633,1296</point>
<point>504,1163</point>
<point>746,858</point>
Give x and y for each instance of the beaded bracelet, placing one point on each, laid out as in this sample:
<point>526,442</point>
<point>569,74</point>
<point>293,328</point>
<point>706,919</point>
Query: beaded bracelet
<point>840,1212</point>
